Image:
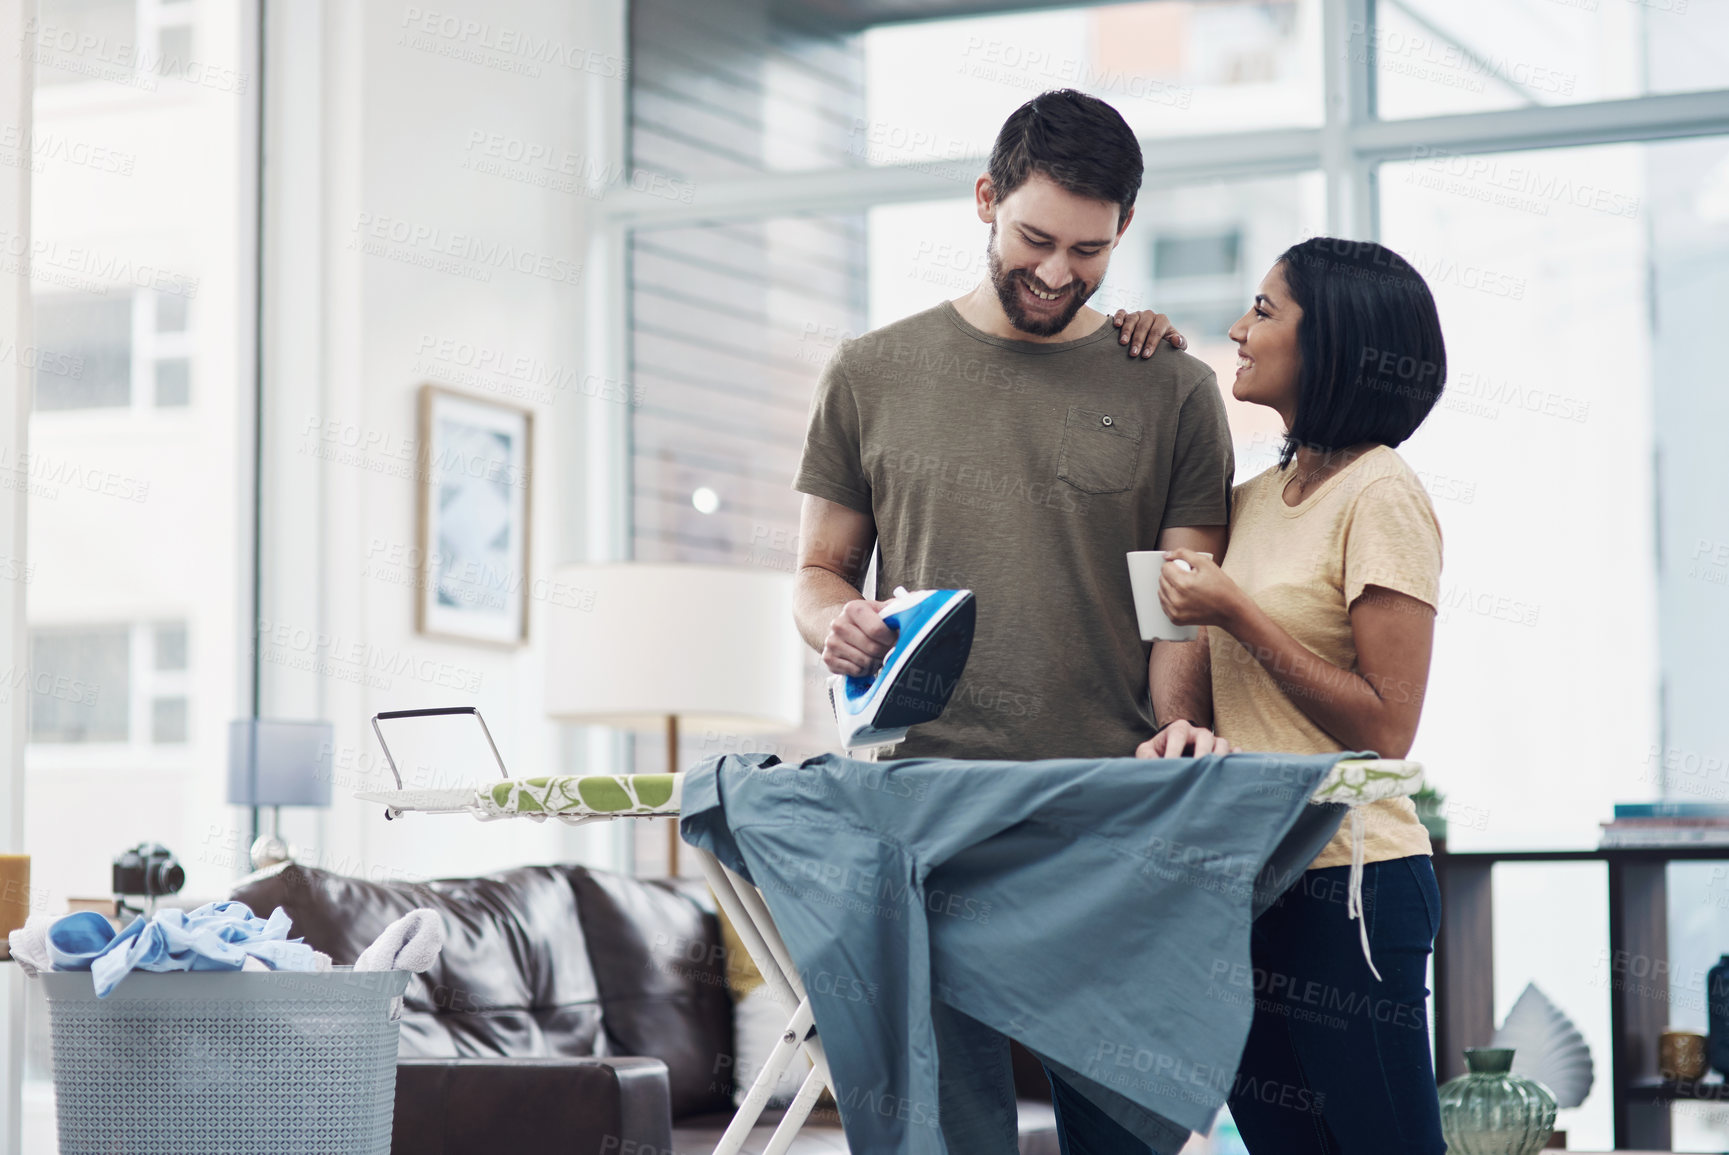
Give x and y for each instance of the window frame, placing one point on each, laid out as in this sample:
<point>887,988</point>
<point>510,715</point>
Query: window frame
<point>147,347</point>
<point>144,684</point>
<point>1348,149</point>
<point>150,19</point>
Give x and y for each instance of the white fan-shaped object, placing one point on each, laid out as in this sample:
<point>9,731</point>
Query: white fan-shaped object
<point>1547,1047</point>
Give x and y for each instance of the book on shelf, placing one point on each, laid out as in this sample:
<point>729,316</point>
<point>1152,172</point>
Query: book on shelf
<point>1624,834</point>
<point>1677,823</point>
<point>1672,808</point>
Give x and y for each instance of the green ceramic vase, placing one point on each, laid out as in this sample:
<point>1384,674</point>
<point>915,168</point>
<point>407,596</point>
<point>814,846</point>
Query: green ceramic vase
<point>1491,1111</point>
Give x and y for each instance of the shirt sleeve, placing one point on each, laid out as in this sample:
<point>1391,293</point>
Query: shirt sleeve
<point>1393,541</point>
<point>831,466</point>
<point>1200,489</point>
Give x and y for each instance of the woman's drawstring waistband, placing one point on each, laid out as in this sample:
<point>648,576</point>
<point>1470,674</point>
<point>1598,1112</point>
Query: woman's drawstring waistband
<point>1354,893</point>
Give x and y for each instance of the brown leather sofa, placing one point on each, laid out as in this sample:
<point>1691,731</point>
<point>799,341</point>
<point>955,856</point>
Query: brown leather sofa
<point>572,1011</point>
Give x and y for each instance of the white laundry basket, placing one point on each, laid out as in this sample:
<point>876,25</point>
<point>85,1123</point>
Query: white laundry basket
<point>226,1063</point>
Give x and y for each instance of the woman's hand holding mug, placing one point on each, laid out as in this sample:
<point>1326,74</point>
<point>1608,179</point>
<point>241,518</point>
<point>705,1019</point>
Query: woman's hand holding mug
<point>1194,591</point>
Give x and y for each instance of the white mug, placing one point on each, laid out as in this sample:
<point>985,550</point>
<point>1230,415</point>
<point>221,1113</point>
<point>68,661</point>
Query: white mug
<point>1144,567</point>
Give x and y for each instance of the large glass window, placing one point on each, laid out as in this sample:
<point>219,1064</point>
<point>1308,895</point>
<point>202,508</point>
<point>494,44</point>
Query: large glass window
<point>725,89</point>
<point>1568,282</point>
<point>110,350</point>
<point>1574,433</point>
<point>939,90</point>
<point>729,319</point>
<point>84,358</point>
<point>139,470</point>
<point>1449,56</point>
<point>129,43</point>
<point>121,683</point>
<point>81,684</point>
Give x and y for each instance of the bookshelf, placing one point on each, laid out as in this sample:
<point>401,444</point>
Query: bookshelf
<point>1638,1006</point>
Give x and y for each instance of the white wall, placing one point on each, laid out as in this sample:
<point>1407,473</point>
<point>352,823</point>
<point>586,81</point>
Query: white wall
<point>379,124</point>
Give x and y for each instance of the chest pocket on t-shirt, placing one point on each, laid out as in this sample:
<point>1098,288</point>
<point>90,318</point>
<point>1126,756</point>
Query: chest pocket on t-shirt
<point>1099,451</point>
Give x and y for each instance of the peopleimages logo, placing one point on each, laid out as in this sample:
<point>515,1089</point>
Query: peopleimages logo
<point>916,149</point>
<point>424,244</point>
<point>43,145</point>
<point>459,37</point>
<point>389,452</point>
<point>1484,395</point>
<point>62,687</point>
<point>1477,278</point>
<point>45,475</point>
<point>122,62</point>
<point>356,660</point>
<point>1038,68</point>
<point>551,166</point>
<point>1515,185</point>
<point>523,375</point>
<point>1423,56</point>
<point>41,257</point>
<point>466,580</point>
<point>48,361</point>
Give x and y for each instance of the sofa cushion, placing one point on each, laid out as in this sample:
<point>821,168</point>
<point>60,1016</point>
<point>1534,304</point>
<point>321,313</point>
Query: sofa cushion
<point>513,977</point>
<point>526,1106</point>
<point>656,951</point>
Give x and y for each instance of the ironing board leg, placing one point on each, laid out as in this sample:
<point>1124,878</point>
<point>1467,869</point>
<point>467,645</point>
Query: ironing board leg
<point>808,1093</point>
<point>764,923</point>
<point>756,1098</point>
<point>750,917</point>
<point>726,892</point>
<point>767,938</point>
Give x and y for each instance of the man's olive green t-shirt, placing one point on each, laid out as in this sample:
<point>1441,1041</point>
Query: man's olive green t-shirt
<point>1025,472</point>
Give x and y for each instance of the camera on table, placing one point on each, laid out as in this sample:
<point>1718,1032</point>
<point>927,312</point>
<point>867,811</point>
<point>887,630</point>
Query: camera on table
<point>148,869</point>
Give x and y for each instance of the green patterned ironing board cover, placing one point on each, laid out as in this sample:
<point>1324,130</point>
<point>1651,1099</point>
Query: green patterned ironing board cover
<point>578,797</point>
<point>588,797</point>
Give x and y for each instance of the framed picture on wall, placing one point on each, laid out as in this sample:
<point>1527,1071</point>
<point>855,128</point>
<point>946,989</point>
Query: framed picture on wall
<point>477,461</point>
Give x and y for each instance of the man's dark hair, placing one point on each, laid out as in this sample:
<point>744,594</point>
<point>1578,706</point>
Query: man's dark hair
<point>1374,362</point>
<point>1078,141</point>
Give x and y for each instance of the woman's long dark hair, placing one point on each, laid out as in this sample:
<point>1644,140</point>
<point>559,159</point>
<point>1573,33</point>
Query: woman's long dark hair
<point>1374,362</point>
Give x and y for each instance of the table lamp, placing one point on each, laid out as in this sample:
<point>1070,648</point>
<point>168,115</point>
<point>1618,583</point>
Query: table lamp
<point>277,763</point>
<point>669,645</point>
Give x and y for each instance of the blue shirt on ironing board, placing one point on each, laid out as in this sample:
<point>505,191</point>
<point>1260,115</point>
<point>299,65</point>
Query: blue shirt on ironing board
<point>1096,910</point>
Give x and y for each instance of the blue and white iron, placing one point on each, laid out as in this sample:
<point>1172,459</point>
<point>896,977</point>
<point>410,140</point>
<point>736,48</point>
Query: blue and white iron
<point>917,675</point>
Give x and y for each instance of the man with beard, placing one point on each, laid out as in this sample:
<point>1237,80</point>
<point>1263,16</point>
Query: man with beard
<point>1002,443</point>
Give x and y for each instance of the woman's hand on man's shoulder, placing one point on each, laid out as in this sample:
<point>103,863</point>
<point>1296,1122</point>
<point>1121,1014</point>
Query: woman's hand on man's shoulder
<point>1143,331</point>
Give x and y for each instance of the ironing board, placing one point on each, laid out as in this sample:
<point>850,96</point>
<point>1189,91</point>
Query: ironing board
<point>580,799</point>
<point>585,798</point>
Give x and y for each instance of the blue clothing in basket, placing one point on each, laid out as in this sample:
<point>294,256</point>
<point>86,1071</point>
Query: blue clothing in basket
<point>1096,910</point>
<point>218,936</point>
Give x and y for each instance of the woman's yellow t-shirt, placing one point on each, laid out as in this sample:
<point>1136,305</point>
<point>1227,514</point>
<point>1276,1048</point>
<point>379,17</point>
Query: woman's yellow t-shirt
<point>1304,565</point>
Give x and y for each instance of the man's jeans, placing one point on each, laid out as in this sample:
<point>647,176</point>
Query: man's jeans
<point>1083,1129</point>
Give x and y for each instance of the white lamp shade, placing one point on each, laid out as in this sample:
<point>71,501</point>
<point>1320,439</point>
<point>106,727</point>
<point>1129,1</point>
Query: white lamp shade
<point>715,646</point>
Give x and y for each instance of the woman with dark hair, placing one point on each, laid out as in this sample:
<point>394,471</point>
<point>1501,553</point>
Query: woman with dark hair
<point>1319,625</point>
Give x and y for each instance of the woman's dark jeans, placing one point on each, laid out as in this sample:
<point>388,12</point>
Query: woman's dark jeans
<point>1336,1063</point>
